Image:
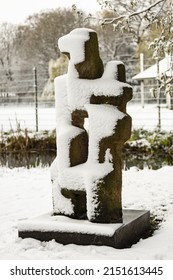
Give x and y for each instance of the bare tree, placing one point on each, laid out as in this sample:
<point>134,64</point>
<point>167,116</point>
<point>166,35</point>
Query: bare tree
<point>113,44</point>
<point>7,48</point>
<point>37,38</point>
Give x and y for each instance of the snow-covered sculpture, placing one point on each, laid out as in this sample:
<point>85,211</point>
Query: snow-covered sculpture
<point>86,175</point>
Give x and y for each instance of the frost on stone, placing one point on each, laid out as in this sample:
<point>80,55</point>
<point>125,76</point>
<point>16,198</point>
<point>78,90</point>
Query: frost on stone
<point>86,175</point>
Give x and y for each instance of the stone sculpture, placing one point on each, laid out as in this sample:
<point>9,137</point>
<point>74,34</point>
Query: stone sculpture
<point>87,173</point>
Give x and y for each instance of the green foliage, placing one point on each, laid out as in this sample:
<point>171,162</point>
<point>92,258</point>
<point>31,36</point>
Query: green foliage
<point>155,138</point>
<point>138,134</point>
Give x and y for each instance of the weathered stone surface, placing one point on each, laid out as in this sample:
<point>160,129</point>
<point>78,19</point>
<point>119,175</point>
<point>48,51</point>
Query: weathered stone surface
<point>107,189</point>
<point>78,199</point>
<point>92,67</point>
<point>79,149</point>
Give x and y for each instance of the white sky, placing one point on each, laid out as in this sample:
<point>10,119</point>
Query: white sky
<point>16,11</point>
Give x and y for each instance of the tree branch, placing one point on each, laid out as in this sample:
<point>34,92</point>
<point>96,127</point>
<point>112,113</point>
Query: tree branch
<point>136,13</point>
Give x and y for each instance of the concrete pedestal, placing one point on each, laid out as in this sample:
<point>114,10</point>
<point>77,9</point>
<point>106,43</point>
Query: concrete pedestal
<point>82,232</point>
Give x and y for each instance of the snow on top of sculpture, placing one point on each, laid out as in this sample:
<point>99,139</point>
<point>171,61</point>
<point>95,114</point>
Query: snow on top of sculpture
<point>73,44</point>
<point>87,172</point>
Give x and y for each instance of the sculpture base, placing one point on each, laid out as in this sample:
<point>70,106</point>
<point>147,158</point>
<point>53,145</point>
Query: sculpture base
<point>65,230</point>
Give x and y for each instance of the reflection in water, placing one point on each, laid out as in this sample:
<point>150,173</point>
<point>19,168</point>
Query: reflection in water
<point>150,162</point>
<point>35,159</point>
<point>27,160</point>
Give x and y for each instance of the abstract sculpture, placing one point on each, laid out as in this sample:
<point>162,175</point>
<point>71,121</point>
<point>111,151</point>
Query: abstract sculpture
<point>91,126</point>
<point>87,176</point>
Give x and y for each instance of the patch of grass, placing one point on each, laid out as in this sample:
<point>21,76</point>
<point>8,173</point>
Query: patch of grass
<point>23,141</point>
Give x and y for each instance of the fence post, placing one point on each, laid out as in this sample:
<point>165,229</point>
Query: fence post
<point>142,82</point>
<point>158,96</point>
<point>36,98</point>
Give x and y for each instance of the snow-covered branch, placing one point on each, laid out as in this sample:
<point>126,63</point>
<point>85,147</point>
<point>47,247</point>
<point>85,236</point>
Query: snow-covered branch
<point>114,20</point>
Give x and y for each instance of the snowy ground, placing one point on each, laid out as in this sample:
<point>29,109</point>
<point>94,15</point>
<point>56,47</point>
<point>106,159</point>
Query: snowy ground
<point>26,193</point>
<point>146,117</point>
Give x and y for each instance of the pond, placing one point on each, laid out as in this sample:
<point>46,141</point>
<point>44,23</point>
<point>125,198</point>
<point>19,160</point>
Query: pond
<point>28,160</point>
<point>34,159</point>
<point>147,162</point>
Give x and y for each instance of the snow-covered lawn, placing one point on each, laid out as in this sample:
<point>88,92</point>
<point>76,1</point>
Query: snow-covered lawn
<point>11,116</point>
<point>26,193</point>
<point>146,117</point>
